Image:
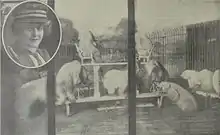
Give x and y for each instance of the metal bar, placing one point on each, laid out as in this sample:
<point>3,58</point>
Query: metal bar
<point>131,68</point>
<point>51,85</point>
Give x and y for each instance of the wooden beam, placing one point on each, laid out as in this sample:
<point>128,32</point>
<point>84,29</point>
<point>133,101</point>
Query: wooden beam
<point>116,98</point>
<point>51,87</point>
<point>131,68</point>
<point>108,64</point>
<point>124,107</point>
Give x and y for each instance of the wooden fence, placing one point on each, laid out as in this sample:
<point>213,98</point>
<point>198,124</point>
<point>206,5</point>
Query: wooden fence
<point>193,46</point>
<point>203,47</point>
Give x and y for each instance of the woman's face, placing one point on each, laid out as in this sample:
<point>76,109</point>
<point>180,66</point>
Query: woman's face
<point>30,35</point>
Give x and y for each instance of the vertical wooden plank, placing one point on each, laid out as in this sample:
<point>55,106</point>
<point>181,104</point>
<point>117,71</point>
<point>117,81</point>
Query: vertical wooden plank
<point>164,38</point>
<point>195,37</point>
<point>205,45</point>
<point>2,19</point>
<point>51,88</point>
<point>1,131</point>
<point>96,81</point>
<point>196,45</point>
<point>189,44</point>
<point>187,47</point>
<point>203,49</point>
<point>214,46</point>
<point>131,68</point>
<point>189,37</point>
<point>217,45</point>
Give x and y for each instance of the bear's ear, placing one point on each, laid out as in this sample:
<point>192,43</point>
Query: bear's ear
<point>183,75</point>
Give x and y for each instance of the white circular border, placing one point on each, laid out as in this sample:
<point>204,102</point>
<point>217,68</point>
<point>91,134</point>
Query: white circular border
<point>3,28</point>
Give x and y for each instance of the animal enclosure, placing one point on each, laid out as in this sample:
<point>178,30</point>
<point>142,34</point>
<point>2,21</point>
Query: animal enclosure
<point>194,46</point>
<point>203,46</point>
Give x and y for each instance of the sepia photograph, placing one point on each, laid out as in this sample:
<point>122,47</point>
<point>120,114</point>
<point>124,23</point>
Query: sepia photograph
<point>24,34</point>
<point>110,67</point>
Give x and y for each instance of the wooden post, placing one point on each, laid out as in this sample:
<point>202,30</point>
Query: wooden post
<point>131,68</point>
<point>96,80</point>
<point>67,105</point>
<point>51,79</point>
<point>2,19</point>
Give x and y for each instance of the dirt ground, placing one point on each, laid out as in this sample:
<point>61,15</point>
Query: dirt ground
<point>150,121</point>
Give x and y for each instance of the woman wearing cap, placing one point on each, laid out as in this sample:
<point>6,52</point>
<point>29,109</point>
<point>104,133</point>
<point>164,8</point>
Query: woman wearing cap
<point>30,21</point>
<point>30,24</point>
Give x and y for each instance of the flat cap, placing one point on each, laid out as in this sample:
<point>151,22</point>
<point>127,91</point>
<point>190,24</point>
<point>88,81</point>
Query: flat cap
<point>31,12</point>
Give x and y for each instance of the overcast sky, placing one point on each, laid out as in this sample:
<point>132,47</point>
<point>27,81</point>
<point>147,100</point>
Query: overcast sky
<point>97,15</point>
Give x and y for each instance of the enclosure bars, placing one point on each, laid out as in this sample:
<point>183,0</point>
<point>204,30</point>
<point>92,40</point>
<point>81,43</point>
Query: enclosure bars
<point>131,68</point>
<point>51,84</point>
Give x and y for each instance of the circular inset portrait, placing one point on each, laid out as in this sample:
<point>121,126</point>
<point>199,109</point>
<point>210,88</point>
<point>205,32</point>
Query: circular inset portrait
<point>31,34</point>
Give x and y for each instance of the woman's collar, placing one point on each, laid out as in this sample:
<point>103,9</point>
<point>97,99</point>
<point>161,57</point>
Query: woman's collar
<point>33,50</point>
<point>23,50</point>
